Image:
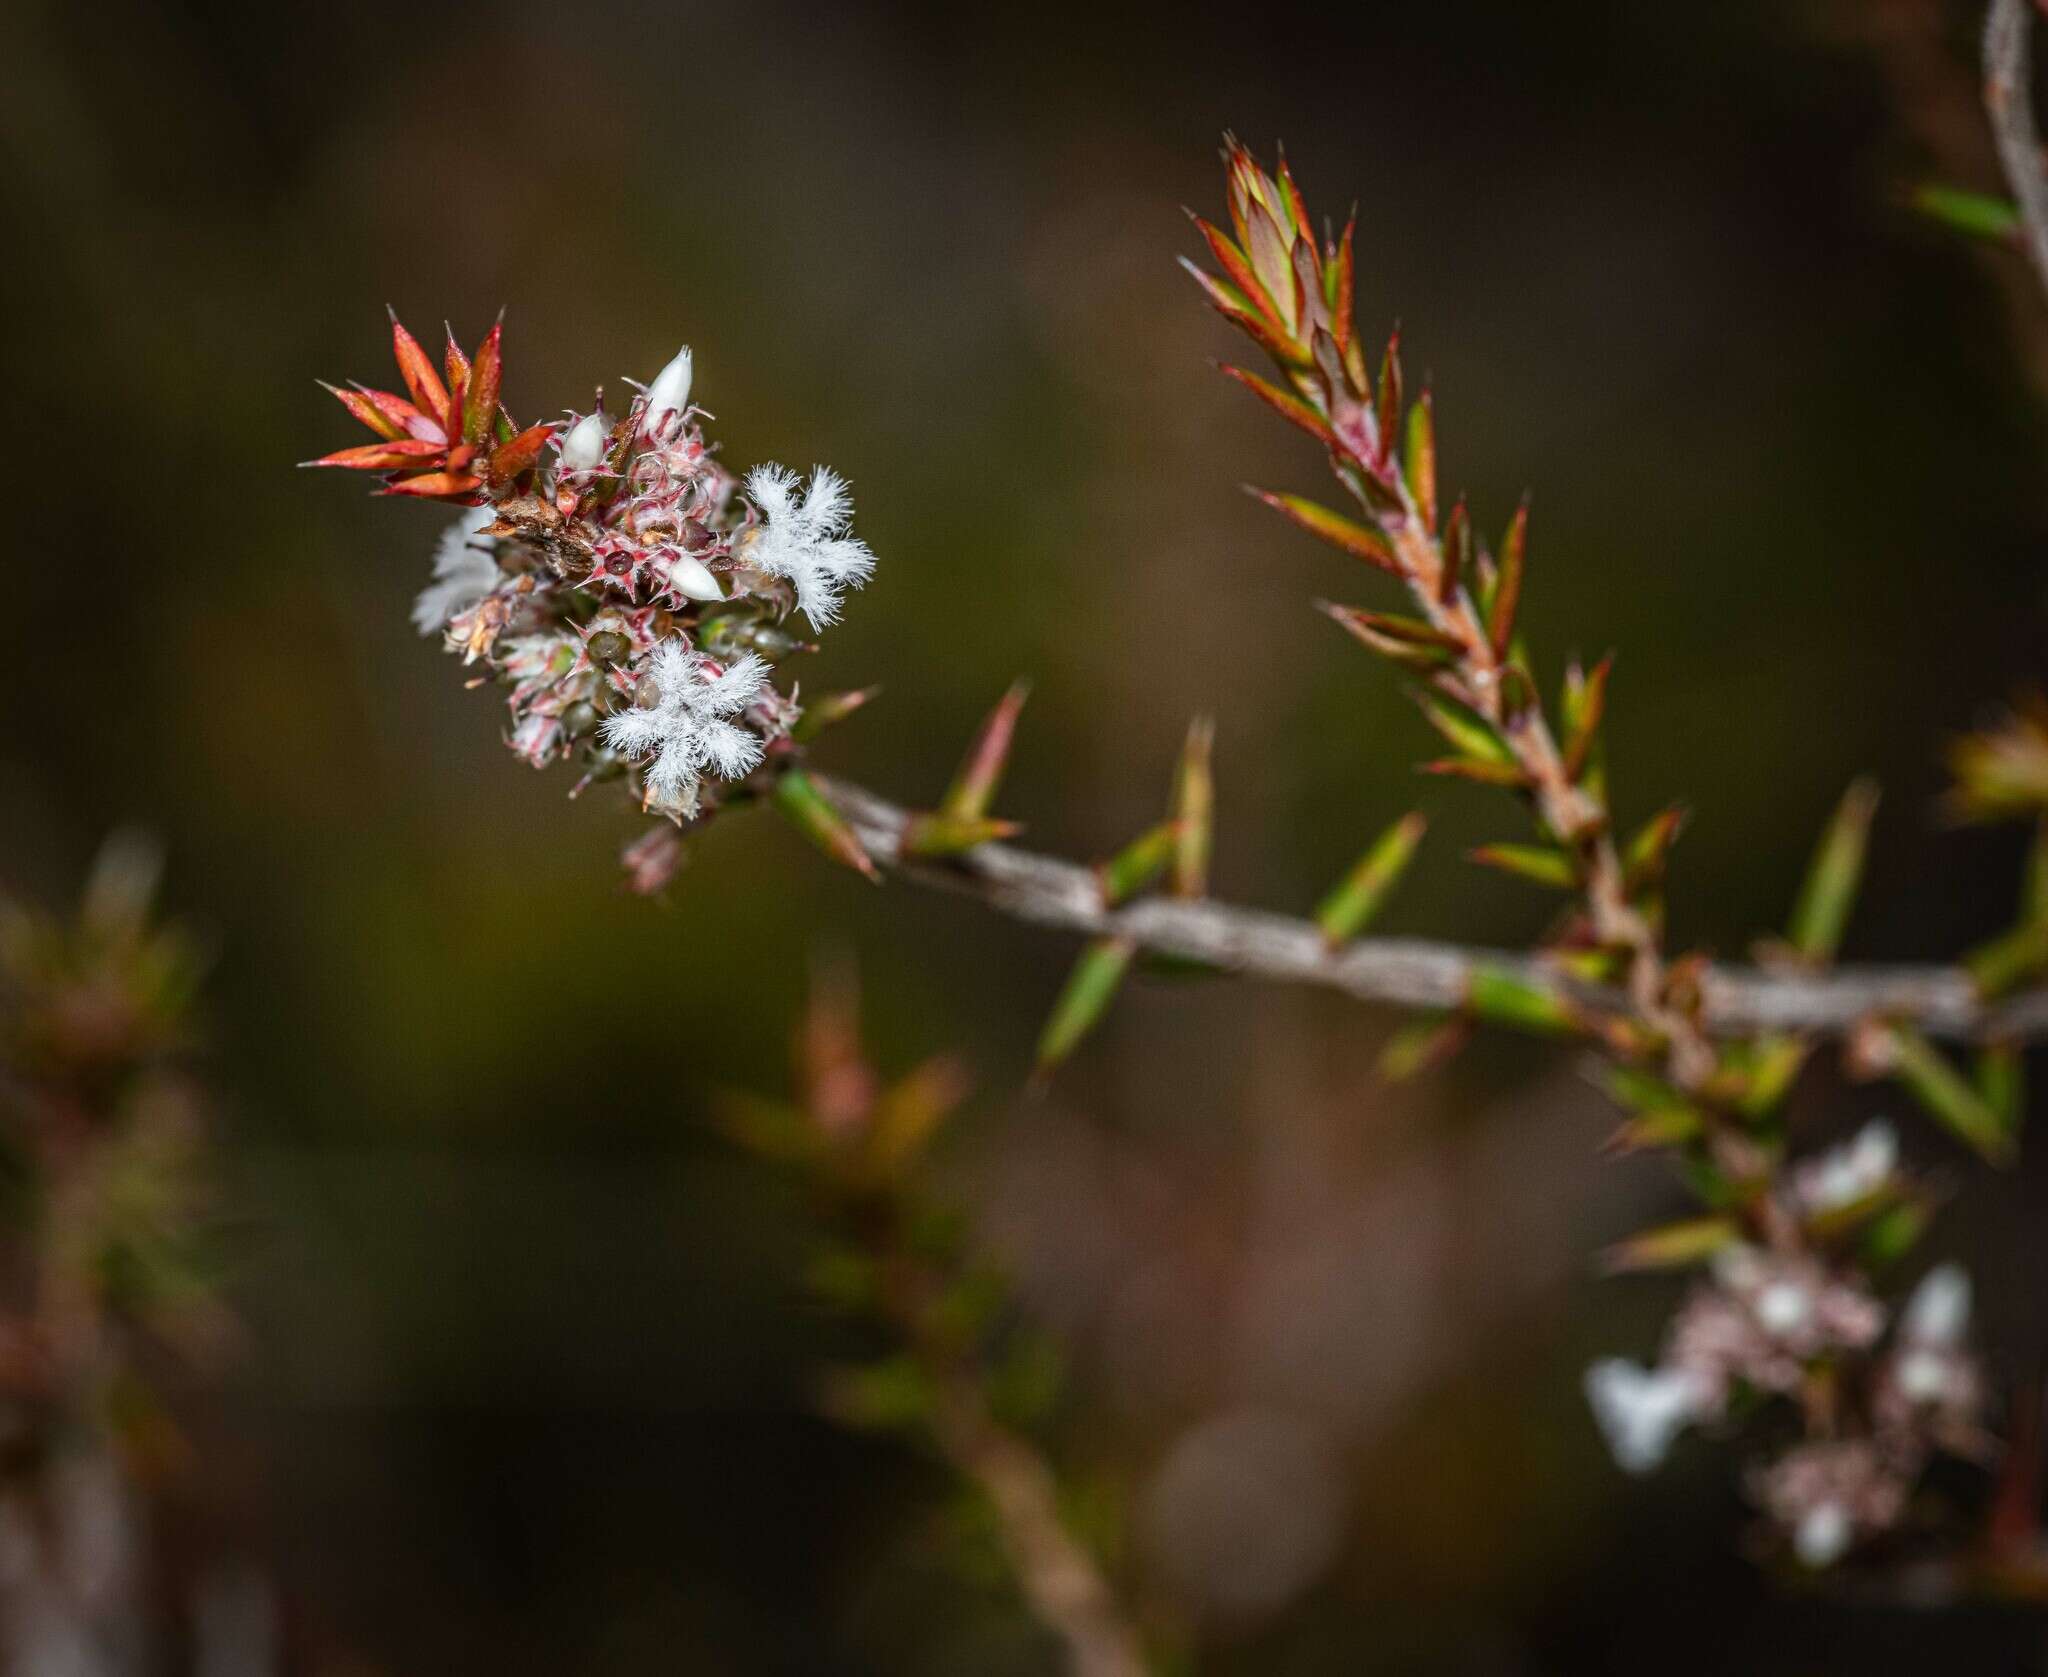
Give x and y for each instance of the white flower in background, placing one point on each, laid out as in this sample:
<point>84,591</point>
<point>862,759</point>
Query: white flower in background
<point>464,571</point>
<point>1822,1535</point>
<point>1641,1410</point>
<point>803,537</point>
<point>685,728</point>
<point>1930,1366</point>
<point>670,391</point>
<point>1938,1313</point>
<point>1855,1170</point>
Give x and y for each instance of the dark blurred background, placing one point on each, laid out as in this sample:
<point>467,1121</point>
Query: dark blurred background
<point>529,1381</point>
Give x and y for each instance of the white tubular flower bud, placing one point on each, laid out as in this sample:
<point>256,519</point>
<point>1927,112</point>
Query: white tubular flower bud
<point>670,391</point>
<point>583,447</point>
<point>692,580</point>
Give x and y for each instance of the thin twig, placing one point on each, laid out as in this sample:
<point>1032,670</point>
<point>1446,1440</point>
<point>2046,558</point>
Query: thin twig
<point>2009,97</point>
<point>1416,973</point>
<point>1056,1574</point>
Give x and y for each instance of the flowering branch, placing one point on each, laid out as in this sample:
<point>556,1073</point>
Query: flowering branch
<point>634,596</point>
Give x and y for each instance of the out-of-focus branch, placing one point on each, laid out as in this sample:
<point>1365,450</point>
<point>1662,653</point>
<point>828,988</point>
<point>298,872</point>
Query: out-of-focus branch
<point>1059,1578</point>
<point>2009,97</point>
<point>1410,972</point>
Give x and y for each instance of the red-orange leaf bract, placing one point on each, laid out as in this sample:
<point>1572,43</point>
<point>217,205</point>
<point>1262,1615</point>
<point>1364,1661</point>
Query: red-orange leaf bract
<point>433,434</point>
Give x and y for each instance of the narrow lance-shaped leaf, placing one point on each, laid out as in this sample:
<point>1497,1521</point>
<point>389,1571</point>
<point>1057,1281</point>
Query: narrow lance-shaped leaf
<point>1290,408</point>
<point>1235,264</point>
<point>1506,595</point>
<point>1138,865</point>
<point>1418,459</point>
<point>1422,1043</point>
<point>1090,988</point>
<point>1387,406</point>
<point>376,415</point>
<point>1470,733</point>
<point>1945,1093</point>
<point>1379,629</point>
<point>934,833</point>
<point>812,814</point>
<point>1359,896</point>
<point>981,771</point>
<point>828,712</point>
<point>416,367</point>
<point>1537,863</point>
<point>1675,1245</point>
<point>2009,959</point>
<point>455,365</point>
<point>1194,810</point>
<point>1974,213</point>
<point>486,374</point>
<point>2001,1081</point>
<point>1829,891</point>
<point>1353,538</point>
<point>1649,850</point>
<point>1240,311</point>
<point>1457,552</point>
<point>1507,999</point>
<point>909,1112</point>
<point>1585,705</point>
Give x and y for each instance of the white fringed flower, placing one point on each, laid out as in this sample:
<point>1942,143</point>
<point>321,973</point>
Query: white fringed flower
<point>1641,1410</point>
<point>1855,1170</point>
<point>803,537</point>
<point>464,572</point>
<point>685,730</point>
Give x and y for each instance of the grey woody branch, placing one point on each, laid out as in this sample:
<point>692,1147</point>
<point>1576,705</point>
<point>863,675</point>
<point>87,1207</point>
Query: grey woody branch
<point>1418,973</point>
<point>2009,97</point>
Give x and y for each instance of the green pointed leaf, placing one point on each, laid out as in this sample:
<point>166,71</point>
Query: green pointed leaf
<point>1290,408</point>
<point>1674,1246</point>
<point>1504,599</point>
<point>1509,1000</point>
<point>1194,810</point>
<point>1894,1232</point>
<point>1138,865</point>
<point>1090,988</point>
<point>2010,960</point>
<point>1945,1093</point>
<point>828,712</point>
<point>811,813</point>
<point>981,771</point>
<point>1645,855</point>
<point>1509,775</point>
<point>1418,460</point>
<point>1471,733</point>
<point>1387,407</point>
<point>1969,212</point>
<point>1458,553</point>
<point>1536,863</point>
<point>1585,703</point>
<point>1822,911</point>
<point>2001,1082</point>
<point>1333,527</point>
<point>934,834</point>
<point>1359,896</point>
<point>1423,1042</point>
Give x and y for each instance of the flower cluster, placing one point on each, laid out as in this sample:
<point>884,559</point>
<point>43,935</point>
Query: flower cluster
<point>631,594</point>
<point>1767,1324</point>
